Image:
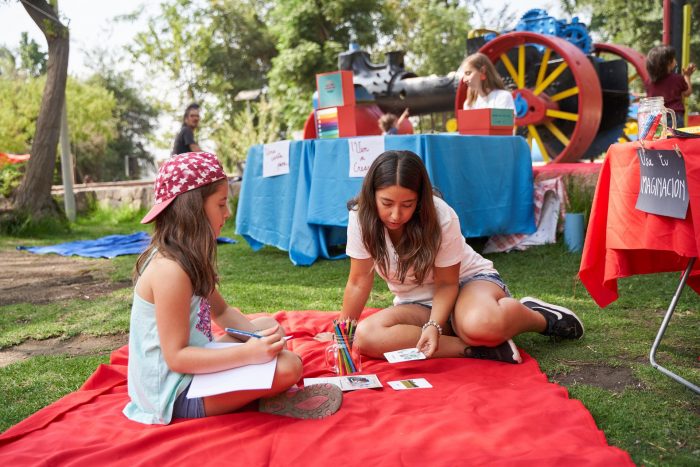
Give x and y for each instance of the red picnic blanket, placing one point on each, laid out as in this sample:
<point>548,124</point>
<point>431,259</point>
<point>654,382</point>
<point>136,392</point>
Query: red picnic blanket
<point>477,413</point>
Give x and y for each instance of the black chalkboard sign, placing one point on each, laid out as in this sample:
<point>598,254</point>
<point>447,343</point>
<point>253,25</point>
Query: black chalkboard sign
<point>663,187</point>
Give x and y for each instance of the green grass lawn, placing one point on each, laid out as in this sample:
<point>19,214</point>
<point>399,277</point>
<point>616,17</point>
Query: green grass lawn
<point>649,415</point>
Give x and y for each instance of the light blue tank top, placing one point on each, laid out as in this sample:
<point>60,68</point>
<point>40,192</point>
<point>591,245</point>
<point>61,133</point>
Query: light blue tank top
<point>152,386</point>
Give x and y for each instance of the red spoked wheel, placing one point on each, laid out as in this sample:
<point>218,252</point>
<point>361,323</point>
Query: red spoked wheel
<point>556,89</point>
<point>637,71</point>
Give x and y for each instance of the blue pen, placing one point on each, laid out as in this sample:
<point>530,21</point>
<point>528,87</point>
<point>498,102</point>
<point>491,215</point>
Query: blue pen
<point>240,332</point>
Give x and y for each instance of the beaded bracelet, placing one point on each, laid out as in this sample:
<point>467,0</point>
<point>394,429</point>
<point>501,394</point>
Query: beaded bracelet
<point>433,323</point>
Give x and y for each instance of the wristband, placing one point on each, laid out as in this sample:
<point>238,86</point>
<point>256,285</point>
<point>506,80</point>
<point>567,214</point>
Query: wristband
<point>433,323</point>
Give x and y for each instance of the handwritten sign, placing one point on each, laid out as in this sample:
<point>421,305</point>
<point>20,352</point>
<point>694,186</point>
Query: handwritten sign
<point>362,153</point>
<point>663,187</point>
<point>276,158</point>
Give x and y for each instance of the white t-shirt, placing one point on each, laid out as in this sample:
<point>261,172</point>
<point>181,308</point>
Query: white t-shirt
<point>453,249</point>
<point>496,99</point>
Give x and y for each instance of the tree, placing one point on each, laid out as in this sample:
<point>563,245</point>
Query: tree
<point>32,59</point>
<point>310,35</point>
<point>641,30</point>
<point>432,33</point>
<point>91,117</point>
<point>8,64</point>
<point>33,197</point>
<point>135,120</point>
<point>211,51</point>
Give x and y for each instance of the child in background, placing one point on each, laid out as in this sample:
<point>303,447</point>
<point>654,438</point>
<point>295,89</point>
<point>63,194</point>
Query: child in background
<point>486,89</point>
<point>389,124</point>
<point>449,301</point>
<point>175,299</point>
<point>663,81</point>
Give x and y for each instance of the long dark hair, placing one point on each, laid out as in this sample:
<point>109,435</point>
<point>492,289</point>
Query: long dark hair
<point>493,80</point>
<point>421,237</point>
<point>658,60</point>
<point>183,233</point>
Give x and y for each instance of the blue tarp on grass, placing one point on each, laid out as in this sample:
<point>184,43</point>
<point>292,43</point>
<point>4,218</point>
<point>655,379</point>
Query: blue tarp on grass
<point>104,247</point>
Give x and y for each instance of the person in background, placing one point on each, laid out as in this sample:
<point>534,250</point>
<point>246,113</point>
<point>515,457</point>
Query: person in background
<point>663,81</point>
<point>449,301</point>
<point>176,299</point>
<point>184,141</point>
<point>485,86</point>
<point>389,124</point>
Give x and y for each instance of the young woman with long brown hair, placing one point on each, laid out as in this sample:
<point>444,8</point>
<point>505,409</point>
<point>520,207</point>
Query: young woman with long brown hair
<point>449,300</point>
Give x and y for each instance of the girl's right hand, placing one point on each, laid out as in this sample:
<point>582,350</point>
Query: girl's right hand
<point>267,347</point>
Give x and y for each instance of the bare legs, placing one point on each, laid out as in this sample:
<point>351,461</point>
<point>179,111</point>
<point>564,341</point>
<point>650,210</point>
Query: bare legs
<point>287,373</point>
<point>483,316</point>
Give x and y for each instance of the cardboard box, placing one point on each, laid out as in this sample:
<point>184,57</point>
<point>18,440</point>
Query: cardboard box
<point>335,89</point>
<point>485,122</point>
<point>335,122</point>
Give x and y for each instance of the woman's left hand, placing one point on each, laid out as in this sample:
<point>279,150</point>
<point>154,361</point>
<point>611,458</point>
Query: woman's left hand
<point>428,342</point>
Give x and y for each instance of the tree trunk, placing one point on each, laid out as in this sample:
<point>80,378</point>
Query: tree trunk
<point>33,196</point>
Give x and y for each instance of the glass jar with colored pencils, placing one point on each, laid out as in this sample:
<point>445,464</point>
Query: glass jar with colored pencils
<point>343,355</point>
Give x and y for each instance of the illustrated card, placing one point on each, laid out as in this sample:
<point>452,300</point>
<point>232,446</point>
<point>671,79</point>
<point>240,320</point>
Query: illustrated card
<point>414,383</point>
<point>347,383</point>
<point>404,355</point>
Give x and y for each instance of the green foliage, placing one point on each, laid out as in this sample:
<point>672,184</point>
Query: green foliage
<point>107,120</point>
<point>310,35</point>
<point>19,223</point>
<point>7,63</point>
<point>431,32</point>
<point>91,125</point>
<point>123,216</point>
<point>135,121</point>
<point>212,50</point>
<point>90,120</point>
<point>33,61</point>
<point>641,30</point>
<point>10,177</point>
<point>21,100</point>
<point>258,124</point>
<point>580,190</point>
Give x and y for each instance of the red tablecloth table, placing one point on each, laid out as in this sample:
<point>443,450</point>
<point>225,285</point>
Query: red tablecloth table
<point>622,241</point>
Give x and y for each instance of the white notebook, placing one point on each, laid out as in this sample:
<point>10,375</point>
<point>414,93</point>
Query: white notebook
<point>236,379</point>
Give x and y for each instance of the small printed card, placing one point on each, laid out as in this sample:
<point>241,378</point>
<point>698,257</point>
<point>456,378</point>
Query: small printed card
<point>347,383</point>
<point>415,383</point>
<point>404,355</point>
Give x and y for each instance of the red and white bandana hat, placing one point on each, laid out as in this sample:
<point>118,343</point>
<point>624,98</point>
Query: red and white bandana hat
<point>182,173</point>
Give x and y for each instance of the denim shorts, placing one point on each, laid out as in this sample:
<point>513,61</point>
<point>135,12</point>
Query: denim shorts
<point>493,277</point>
<point>188,408</point>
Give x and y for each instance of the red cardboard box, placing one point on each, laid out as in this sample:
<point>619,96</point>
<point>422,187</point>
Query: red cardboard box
<point>335,89</point>
<point>485,122</point>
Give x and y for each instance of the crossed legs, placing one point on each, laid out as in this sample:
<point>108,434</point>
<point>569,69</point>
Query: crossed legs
<point>483,316</point>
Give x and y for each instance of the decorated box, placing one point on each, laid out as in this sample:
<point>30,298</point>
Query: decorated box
<point>485,122</point>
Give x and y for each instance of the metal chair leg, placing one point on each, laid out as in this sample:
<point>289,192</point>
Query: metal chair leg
<point>664,325</point>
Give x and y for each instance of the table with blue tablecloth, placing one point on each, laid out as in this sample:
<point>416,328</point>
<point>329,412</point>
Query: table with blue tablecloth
<point>486,179</point>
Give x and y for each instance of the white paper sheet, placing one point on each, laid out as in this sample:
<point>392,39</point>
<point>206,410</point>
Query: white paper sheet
<point>276,158</point>
<point>236,379</point>
<point>362,152</point>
